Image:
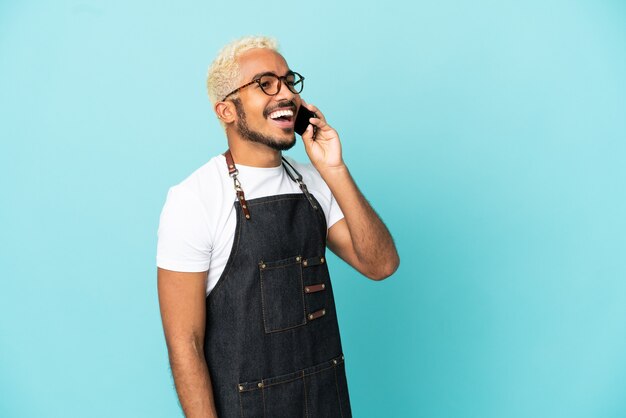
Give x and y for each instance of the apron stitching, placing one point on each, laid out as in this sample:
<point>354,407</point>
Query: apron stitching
<point>285,329</point>
<point>337,386</point>
<point>265,326</point>
<point>302,291</point>
<point>318,213</point>
<point>306,402</point>
<point>266,385</point>
<point>263,395</point>
<point>280,266</point>
<point>241,405</point>
<point>231,257</point>
<point>276,200</point>
<point>262,301</point>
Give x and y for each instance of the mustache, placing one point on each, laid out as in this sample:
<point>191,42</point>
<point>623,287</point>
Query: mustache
<point>285,104</point>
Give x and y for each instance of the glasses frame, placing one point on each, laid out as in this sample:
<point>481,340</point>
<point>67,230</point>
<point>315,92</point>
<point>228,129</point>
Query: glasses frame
<point>281,80</point>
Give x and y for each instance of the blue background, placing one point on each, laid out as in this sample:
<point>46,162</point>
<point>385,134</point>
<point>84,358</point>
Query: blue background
<point>489,135</point>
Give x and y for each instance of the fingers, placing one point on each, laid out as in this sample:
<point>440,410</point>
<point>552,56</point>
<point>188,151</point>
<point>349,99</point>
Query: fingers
<point>308,136</point>
<point>320,123</point>
<point>320,129</point>
<point>314,109</point>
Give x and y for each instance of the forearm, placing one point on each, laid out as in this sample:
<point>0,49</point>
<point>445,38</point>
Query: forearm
<point>372,242</point>
<point>363,240</point>
<point>192,380</point>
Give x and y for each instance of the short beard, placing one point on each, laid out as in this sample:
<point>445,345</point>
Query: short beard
<point>257,137</point>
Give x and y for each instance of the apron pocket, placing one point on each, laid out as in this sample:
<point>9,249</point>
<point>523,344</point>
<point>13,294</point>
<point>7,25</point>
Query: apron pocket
<point>274,398</point>
<point>318,391</point>
<point>282,294</point>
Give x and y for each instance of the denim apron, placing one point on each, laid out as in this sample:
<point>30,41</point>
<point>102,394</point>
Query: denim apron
<point>272,340</point>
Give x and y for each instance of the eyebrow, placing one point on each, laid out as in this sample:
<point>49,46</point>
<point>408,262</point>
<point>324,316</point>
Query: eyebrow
<point>268,73</point>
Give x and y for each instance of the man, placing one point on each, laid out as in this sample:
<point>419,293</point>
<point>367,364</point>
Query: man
<point>246,300</point>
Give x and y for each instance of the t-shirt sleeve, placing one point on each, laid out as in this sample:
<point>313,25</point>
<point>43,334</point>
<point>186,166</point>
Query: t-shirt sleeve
<point>184,242</point>
<point>334,212</point>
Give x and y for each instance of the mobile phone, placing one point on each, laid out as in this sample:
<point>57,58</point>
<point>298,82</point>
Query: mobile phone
<point>302,120</point>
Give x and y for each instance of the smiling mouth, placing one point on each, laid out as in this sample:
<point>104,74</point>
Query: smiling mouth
<point>282,114</point>
<point>284,118</point>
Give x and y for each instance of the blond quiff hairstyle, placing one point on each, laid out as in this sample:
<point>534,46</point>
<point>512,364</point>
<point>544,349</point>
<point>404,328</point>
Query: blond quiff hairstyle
<point>223,74</point>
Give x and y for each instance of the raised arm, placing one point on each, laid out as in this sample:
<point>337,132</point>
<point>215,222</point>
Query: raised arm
<point>182,302</point>
<point>361,238</point>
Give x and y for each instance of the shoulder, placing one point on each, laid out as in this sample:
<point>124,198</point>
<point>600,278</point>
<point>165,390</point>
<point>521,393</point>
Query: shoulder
<point>193,207</point>
<point>201,197</point>
<point>208,180</point>
<point>205,177</point>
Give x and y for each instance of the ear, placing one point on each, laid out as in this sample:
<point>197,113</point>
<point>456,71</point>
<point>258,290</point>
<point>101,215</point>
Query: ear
<point>225,111</point>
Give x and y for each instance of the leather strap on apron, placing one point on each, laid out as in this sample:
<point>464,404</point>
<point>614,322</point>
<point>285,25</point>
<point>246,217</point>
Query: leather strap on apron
<point>233,172</point>
<point>295,176</point>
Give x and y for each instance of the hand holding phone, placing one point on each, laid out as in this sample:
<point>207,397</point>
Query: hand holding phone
<point>302,121</point>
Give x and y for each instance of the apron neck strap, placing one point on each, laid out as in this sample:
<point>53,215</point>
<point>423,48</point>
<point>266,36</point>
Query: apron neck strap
<point>298,179</point>
<point>289,169</point>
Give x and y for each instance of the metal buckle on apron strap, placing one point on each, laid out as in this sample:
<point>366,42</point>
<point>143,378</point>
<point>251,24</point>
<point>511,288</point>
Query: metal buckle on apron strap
<point>233,172</point>
<point>241,197</point>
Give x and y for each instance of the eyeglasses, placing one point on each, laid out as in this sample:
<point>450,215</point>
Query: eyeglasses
<point>270,83</point>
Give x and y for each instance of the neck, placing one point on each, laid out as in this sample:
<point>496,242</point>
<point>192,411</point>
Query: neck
<point>253,154</point>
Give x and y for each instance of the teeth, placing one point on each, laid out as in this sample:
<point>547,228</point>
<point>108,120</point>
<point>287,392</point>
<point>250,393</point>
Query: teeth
<point>279,113</point>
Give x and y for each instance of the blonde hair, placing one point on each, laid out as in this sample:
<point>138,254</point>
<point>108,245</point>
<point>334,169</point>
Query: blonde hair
<point>223,74</point>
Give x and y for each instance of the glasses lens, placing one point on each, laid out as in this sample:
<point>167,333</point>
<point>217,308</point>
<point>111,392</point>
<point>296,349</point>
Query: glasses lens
<point>294,82</point>
<point>269,84</point>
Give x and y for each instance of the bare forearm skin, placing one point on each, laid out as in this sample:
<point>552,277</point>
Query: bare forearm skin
<point>373,244</point>
<point>182,301</point>
<point>192,380</point>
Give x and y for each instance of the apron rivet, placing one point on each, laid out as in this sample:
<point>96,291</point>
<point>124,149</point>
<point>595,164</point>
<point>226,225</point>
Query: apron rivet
<point>310,317</point>
<point>334,361</point>
<point>240,388</point>
<point>247,216</point>
<point>323,286</point>
<point>306,289</point>
<point>260,384</point>
<point>263,266</point>
<point>298,258</point>
<point>305,263</point>
<point>322,259</point>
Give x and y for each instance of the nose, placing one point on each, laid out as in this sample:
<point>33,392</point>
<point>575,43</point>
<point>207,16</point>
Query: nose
<point>284,93</point>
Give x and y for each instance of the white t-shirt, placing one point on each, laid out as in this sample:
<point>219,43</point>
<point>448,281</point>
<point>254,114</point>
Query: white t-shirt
<point>197,225</point>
